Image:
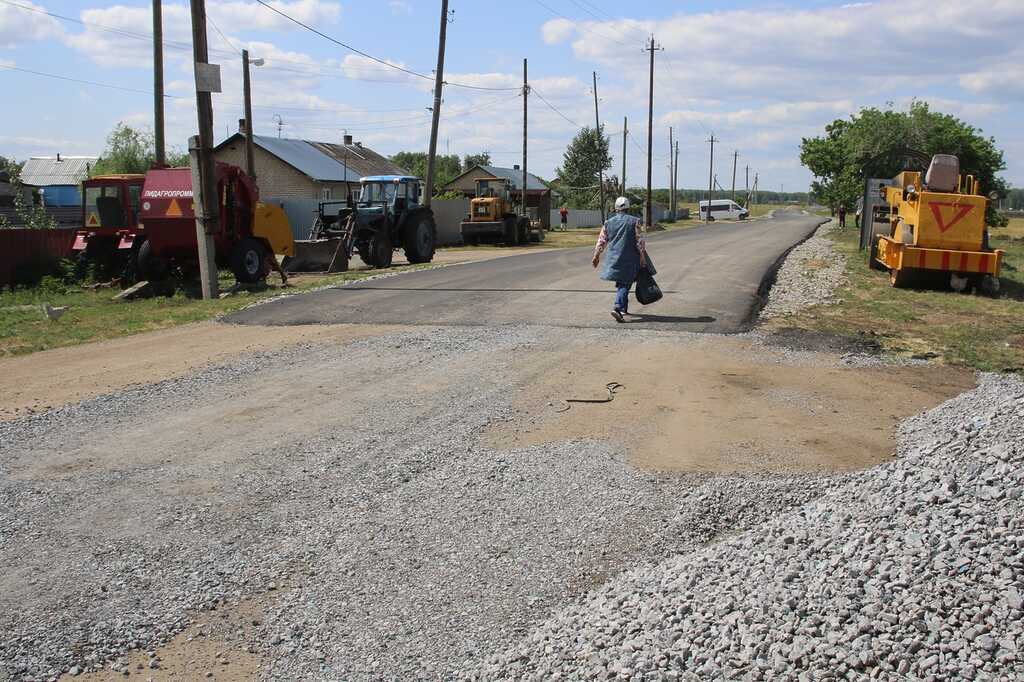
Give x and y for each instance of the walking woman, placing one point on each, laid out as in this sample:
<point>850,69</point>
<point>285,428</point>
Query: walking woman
<point>622,237</point>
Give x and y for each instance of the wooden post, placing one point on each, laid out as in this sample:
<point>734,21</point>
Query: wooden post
<point>204,182</point>
<point>598,136</point>
<point>625,133</point>
<point>735,155</point>
<point>526,91</point>
<point>711,180</point>
<point>671,174</point>
<point>650,133</point>
<point>436,113</point>
<point>250,162</point>
<point>158,84</point>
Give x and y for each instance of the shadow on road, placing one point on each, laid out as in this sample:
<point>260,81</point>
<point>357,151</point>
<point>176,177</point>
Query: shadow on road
<point>671,319</point>
<point>606,292</point>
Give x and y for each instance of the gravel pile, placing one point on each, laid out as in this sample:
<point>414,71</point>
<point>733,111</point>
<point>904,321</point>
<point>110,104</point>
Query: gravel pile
<point>911,570</point>
<point>364,522</point>
<point>809,276</point>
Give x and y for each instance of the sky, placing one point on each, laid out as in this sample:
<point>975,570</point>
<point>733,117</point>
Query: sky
<point>759,76</point>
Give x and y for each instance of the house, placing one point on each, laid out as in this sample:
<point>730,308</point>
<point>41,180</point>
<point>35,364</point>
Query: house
<point>57,178</point>
<point>538,196</point>
<point>289,169</point>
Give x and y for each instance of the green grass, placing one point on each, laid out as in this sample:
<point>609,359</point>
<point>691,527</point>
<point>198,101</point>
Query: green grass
<point>92,315</point>
<point>962,329</point>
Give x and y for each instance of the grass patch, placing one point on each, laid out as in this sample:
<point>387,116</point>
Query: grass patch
<point>92,315</point>
<point>962,329</point>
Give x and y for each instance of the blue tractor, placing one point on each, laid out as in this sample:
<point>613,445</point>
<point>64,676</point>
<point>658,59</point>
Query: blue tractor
<point>387,215</point>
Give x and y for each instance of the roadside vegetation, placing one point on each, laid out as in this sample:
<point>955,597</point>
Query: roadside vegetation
<point>957,329</point>
<point>91,314</point>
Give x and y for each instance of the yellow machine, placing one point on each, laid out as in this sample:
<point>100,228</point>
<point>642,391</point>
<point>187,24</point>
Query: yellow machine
<point>270,223</point>
<point>937,227</point>
<point>491,217</point>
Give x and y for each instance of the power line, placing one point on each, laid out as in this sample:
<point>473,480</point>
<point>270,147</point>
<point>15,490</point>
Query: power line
<point>577,24</point>
<point>369,56</point>
<point>78,80</point>
<point>553,108</point>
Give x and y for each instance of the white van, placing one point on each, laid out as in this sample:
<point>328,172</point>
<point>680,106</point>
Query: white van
<point>723,209</point>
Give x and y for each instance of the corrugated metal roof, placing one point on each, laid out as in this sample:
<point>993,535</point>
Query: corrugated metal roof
<point>306,158</point>
<point>516,176</point>
<point>46,171</point>
<point>360,159</point>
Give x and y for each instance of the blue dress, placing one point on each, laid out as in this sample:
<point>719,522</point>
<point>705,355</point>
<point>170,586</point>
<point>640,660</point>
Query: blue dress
<point>622,259</point>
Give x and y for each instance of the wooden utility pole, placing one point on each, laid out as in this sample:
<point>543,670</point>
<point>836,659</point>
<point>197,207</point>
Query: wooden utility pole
<point>526,92</point>
<point>158,84</point>
<point>625,132</point>
<point>648,212</point>
<point>671,174</point>
<point>436,113</point>
<point>675,176</point>
<point>250,162</point>
<point>204,183</point>
<point>598,138</point>
<point>735,155</point>
<point>711,179</point>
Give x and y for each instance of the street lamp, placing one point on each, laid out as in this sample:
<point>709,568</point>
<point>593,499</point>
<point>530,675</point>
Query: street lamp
<point>250,163</point>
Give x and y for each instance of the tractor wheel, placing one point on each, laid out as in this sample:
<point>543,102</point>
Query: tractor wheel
<point>899,279</point>
<point>420,239</point>
<point>873,257</point>
<point>523,231</point>
<point>150,267</point>
<point>511,229</point>
<point>380,250</point>
<point>248,261</point>
<point>363,247</point>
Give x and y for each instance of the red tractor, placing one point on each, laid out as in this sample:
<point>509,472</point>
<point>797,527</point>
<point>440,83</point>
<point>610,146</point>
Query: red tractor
<point>108,239</point>
<point>248,235</point>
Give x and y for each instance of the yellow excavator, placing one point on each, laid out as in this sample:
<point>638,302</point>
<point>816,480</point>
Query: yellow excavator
<point>937,227</point>
<point>491,217</point>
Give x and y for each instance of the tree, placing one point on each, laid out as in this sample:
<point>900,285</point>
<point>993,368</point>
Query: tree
<point>446,168</point>
<point>585,157</point>
<point>471,160</point>
<point>133,150</point>
<point>12,167</point>
<point>881,143</point>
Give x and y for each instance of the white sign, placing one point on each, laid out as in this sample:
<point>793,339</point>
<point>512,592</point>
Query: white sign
<point>207,77</point>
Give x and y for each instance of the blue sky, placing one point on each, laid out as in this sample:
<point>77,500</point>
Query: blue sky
<point>757,75</point>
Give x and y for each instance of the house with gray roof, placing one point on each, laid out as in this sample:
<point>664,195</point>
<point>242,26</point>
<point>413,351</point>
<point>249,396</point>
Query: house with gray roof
<point>58,178</point>
<point>290,169</point>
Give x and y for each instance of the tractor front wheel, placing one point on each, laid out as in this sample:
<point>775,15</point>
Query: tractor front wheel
<point>420,239</point>
<point>248,261</point>
<point>380,250</point>
<point>899,279</point>
<point>149,266</point>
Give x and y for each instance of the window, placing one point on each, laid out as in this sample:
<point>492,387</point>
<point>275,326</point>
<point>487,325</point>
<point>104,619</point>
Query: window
<point>326,194</point>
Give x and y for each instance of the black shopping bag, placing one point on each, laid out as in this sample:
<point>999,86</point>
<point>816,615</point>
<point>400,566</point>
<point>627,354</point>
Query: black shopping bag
<point>647,290</point>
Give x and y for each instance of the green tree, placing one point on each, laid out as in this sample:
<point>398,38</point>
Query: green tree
<point>587,155</point>
<point>470,160</point>
<point>12,167</point>
<point>446,167</point>
<point>133,150</point>
<point>877,143</point>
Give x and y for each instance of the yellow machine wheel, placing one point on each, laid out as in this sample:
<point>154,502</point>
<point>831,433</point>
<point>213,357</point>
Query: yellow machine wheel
<point>899,279</point>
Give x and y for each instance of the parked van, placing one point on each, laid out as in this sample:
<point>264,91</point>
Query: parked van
<point>723,209</point>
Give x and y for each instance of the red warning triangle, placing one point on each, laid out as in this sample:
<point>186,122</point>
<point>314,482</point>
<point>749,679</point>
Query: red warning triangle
<point>92,221</point>
<point>173,210</point>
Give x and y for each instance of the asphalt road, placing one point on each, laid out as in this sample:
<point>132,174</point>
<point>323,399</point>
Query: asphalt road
<point>710,276</point>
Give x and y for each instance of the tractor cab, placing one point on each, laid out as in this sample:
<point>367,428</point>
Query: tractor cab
<point>110,211</point>
<point>491,201</point>
<point>390,195</point>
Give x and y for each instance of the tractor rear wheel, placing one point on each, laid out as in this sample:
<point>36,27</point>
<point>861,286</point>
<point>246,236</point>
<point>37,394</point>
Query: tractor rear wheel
<point>380,250</point>
<point>248,261</point>
<point>873,257</point>
<point>420,239</point>
<point>899,279</point>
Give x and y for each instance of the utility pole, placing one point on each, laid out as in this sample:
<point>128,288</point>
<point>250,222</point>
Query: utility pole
<point>204,184</point>
<point>436,113</point>
<point>675,178</point>
<point>250,162</point>
<point>280,122</point>
<point>625,132</point>
<point>599,140</point>
<point>158,84</point>
<point>652,48</point>
<point>671,174</point>
<point>526,91</point>
<point>735,155</point>
<point>711,178</point>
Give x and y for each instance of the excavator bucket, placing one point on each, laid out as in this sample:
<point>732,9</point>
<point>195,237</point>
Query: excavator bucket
<point>318,255</point>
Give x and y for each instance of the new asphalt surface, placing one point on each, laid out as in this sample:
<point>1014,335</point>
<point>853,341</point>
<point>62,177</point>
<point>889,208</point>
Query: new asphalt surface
<point>711,276</point>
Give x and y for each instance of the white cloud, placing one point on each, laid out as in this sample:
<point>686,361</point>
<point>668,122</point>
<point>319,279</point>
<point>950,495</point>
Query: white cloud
<point>400,7</point>
<point>557,31</point>
<point>25,25</point>
<point>242,15</point>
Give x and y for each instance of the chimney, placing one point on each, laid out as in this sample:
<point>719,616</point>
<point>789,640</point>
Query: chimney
<point>515,167</point>
<point>241,125</point>
<point>58,157</point>
<point>359,144</point>
<point>347,140</point>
